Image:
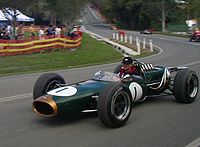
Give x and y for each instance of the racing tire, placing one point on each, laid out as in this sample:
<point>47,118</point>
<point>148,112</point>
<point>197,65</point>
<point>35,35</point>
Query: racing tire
<point>186,86</point>
<point>45,83</point>
<point>117,69</point>
<point>114,105</point>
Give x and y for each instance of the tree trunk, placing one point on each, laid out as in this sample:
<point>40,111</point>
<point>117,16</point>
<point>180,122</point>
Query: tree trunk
<point>14,23</point>
<point>163,17</point>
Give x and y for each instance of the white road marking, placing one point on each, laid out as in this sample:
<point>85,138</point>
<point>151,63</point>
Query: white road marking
<point>16,97</point>
<point>195,143</point>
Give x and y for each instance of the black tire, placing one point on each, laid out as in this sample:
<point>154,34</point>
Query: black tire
<point>114,105</point>
<point>117,69</point>
<point>186,86</point>
<point>45,83</point>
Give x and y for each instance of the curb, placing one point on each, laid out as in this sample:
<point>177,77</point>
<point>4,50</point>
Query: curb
<point>123,49</point>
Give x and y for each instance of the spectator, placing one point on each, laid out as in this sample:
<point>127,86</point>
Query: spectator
<point>1,33</point>
<point>49,32</point>
<point>57,31</point>
<point>10,31</point>
<point>41,32</point>
<point>5,34</point>
<point>20,32</point>
<point>63,31</point>
<point>32,31</point>
<point>53,30</point>
<point>16,32</point>
<point>74,32</point>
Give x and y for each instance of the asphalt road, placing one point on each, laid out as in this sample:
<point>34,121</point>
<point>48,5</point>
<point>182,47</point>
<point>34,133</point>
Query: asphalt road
<point>157,122</point>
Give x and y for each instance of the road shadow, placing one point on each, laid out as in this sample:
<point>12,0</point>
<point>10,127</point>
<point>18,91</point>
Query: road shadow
<point>163,99</point>
<point>65,120</point>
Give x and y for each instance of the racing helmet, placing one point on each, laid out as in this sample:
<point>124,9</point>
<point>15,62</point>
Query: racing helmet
<point>127,60</point>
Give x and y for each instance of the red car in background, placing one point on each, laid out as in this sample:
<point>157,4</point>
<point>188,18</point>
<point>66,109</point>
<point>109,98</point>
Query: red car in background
<point>195,36</point>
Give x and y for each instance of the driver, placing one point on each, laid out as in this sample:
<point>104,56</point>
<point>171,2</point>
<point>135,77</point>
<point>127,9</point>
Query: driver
<point>128,68</point>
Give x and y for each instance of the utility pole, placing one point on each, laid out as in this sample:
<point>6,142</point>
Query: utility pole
<point>163,17</point>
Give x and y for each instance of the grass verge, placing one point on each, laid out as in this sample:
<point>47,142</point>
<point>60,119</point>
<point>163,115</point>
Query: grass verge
<point>91,52</point>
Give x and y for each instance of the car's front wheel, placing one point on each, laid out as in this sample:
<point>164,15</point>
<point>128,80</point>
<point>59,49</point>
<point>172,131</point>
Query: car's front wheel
<point>114,105</point>
<point>186,86</point>
<point>45,83</point>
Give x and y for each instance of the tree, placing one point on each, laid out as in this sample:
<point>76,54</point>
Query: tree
<point>193,7</point>
<point>140,14</point>
<point>64,11</point>
<point>67,11</point>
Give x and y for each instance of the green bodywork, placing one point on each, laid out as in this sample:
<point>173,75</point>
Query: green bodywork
<point>77,103</point>
<point>154,76</point>
<point>88,91</point>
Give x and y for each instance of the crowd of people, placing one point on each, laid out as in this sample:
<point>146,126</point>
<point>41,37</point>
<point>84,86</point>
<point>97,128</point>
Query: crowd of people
<point>7,32</point>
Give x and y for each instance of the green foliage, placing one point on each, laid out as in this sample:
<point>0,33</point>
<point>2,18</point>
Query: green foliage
<point>141,14</point>
<point>18,4</point>
<point>63,11</point>
<point>177,27</point>
<point>194,9</point>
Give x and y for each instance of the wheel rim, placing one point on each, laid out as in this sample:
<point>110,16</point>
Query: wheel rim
<point>193,86</point>
<point>120,106</point>
<point>53,85</point>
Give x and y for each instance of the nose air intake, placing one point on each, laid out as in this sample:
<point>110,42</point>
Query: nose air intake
<point>45,106</point>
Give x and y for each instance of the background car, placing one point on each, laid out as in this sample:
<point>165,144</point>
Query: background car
<point>147,31</point>
<point>195,36</point>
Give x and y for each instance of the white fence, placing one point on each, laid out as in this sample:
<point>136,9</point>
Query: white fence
<point>127,40</point>
<point>140,44</point>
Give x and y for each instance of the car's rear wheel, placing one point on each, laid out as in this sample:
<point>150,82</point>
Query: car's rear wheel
<point>186,86</point>
<point>114,105</point>
<point>45,83</point>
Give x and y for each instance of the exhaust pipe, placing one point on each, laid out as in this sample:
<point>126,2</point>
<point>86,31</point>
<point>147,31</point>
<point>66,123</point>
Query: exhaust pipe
<point>45,106</point>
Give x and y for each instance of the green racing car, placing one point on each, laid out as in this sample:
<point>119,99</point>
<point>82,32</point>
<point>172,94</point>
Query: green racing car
<point>111,96</point>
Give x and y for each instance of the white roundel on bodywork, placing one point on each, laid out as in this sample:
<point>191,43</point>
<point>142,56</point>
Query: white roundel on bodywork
<point>136,91</point>
<point>63,91</point>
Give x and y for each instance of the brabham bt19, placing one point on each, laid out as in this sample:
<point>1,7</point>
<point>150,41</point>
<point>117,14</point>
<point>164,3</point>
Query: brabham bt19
<point>112,97</point>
